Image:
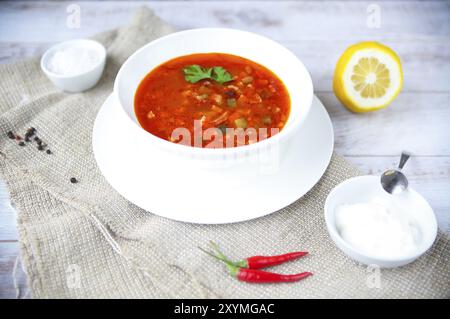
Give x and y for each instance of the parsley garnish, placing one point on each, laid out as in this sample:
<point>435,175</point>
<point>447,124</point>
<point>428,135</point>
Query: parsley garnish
<point>221,75</point>
<point>194,73</point>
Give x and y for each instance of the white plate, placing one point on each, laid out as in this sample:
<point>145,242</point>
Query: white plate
<point>169,187</point>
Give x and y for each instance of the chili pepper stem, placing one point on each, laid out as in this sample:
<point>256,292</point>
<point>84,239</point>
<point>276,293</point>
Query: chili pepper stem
<point>217,250</point>
<point>233,270</point>
<point>223,259</point>
<point>241,263</point>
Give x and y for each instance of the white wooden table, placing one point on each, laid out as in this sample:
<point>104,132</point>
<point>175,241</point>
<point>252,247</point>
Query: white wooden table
<point>318,32</point>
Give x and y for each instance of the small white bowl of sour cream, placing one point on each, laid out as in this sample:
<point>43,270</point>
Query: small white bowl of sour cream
<point>75,65</point>
<point>376,228</point>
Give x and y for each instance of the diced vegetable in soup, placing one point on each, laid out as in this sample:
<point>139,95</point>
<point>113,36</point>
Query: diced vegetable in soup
<point>225,95</point>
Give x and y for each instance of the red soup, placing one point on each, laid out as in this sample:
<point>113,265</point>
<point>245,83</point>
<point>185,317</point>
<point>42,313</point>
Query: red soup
<point>212,100</point>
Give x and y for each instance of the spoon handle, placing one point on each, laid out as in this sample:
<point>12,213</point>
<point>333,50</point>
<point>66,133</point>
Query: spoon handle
<point>404,157</point>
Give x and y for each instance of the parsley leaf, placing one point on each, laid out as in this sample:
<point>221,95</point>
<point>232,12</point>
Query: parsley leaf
<point>194,73</point>
<point>221,75</point>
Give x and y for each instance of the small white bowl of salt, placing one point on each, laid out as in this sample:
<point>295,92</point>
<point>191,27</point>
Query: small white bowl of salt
<point>76,65</point>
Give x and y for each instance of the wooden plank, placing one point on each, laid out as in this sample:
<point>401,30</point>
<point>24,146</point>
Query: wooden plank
<point>425,55</point>
<point>8,255</point>
<point>278,18</point>
<point>8,231</point>
<point>426,66</point>
<point>415,121</point>
<point>13,52</point>
<point>283,21</point>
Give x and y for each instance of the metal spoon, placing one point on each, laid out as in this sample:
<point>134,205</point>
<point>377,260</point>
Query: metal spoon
<point>393,180</point>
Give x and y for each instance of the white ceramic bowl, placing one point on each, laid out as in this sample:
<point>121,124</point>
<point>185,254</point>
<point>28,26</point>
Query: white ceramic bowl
<point>82,81</point>
<point>245,44</point>
<point>362,189</point>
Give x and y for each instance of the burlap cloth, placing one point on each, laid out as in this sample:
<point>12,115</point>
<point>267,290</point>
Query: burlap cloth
<point>66,254</point>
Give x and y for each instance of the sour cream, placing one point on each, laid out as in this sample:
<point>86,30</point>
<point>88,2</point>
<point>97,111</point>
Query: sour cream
<point>380,227</point>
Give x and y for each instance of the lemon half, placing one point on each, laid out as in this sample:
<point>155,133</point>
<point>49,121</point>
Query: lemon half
<point>368,76</point>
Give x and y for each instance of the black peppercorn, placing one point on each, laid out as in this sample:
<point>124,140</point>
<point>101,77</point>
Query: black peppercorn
<point>48,151</point>
<point>21,143</point>
<point>11,135</point>
<point>73,180</point>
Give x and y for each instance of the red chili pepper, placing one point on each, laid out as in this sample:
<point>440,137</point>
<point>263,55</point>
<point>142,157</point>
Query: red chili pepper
<point>256,275</point>
<point>257,262</point>
<point>261,276</point>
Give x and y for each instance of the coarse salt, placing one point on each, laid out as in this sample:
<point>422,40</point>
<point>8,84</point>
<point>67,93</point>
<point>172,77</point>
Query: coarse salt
<point>73,60</point>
